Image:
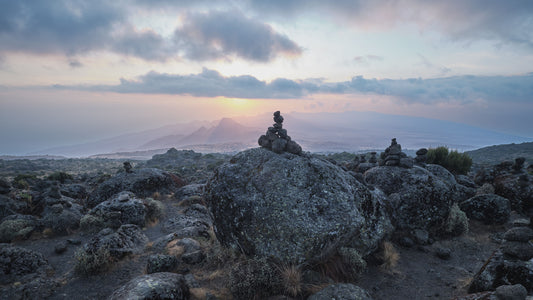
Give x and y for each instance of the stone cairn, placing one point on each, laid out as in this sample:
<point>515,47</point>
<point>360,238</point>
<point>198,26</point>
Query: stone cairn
<point>393,156</point>
<point>128,167</point>
<point>276,138</point>
<point>421,156</point>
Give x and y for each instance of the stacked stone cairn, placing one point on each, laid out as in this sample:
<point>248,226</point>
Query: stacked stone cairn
<point>364,165</point>
<point>421,156</point>
<point>393,156</point>
<point>276,138</point>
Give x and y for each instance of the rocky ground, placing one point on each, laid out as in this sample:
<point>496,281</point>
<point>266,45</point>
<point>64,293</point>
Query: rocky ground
<point>75,235</point>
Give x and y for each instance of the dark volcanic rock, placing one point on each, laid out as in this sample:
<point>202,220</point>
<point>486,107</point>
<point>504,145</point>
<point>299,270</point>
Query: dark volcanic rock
<point>9,206</point>
<point>154,286</point>
<point>5,186</point>
<point>62,220</point>
<point>128,239</point>
<point>511,292</point>
<point>76,191</point>
<point>142,182</point>
<point>501,271</point>
<point>161,263</point>
<point>293,207</point>
<point>341,291</point>
<point>123,208</point>
<point>418,198</point>
<point>488,208</point>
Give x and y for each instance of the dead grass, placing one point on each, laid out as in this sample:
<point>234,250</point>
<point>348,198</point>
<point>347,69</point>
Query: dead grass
<point>291,279</point>
<point>173,249</point>
<point>390,257</point>
<point>200,293</point>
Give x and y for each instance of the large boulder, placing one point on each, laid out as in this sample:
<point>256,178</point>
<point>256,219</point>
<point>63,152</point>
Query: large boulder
<point>122,208</point>
<point>142,182</point>
<point>419,199</point>
<point>293,207</point>
<point>162,285</point>
<point>128,239</point>
<point>488,208</point>
<point>62,219</point>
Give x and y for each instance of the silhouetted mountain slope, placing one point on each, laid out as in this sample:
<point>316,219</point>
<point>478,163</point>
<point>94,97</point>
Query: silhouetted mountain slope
<point>498,153</point>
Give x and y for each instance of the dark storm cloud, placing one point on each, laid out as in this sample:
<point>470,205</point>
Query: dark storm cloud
<point>67,27</point>
<point>77,27</point>
<point>494,20</point>
<point>210,83</point>
<point>220,34</point>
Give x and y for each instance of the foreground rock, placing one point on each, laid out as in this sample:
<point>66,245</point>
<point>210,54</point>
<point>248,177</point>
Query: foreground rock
<point>488,208</point>
<point>420,200</point>
<point>295,208</point>
<point>142,182</point>
<point>154,286</point>
<point>128,239</point>
<point>344,291</point>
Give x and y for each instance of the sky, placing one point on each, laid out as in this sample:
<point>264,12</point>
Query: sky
<point>77,71</point>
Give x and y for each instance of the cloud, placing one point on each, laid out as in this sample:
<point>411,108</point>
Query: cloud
<point>78,27</point>
<point>367,58</point>
<point>74,63</point>
<point>499,21</point>
<point>220,34</point>
<point>210,83</point>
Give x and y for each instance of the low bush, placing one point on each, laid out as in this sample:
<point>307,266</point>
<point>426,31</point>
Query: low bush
<point>453,161</point>
<point>60,176</point>
<point>92,263</point>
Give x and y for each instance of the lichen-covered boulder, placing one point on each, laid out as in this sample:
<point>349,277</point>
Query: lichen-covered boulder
<point>419,199</point>
<point>293,207</point>
<point>162,285</point>
<point>122,208</point>
<point>142,182</point>
<point>128,239</point>
<point>18,227</point>
<point>488,208</point>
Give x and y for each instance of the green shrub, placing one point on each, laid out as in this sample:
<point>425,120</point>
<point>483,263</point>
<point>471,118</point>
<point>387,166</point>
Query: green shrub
<point>457,222</point>
<point>453,161</point>
<point>60,176</point>
<point>91,263</point>
<point>154,209</point>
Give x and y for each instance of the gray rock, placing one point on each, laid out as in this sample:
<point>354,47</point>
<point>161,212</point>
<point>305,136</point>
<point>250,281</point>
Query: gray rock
<point>60,247</point>
<point>418,199</point>
<point>187,226</point>
<point>406,162</point>
<point>511,292</point>
<point>16,262</point>
<point>499,269</point>
<point>519,234</point>
<point>443,253</point>
<point>142,182</point>
<point>62,220</point>
<point>193,257</point>
<point>190,190</point>
<point>122,208</point>
<point>5,186</point>
<point>278,145</point>
<point>488,208</point>
<point>76,191</point>
<point>522,251</point>
<point>420,236</point>
<point>128,239</point>
<point>161,263</point>
<point>162,285</point>
<point>189,245</point>
<point>18,227</point>
<point>465,180</point>
<point>441,173</point>
<point>293,207</point>
<point>341,291</point>
<point>9,206</point>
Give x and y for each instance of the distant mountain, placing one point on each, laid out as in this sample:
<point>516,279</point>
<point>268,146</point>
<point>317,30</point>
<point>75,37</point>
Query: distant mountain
<point>498,153</point>
<point>225,131</point>
<point>317,132</point>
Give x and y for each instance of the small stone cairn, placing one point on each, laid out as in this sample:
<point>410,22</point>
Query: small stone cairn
<point>276,138</point>
<point>128,167</point>
<point>393,156</point>
<point>421,156</point>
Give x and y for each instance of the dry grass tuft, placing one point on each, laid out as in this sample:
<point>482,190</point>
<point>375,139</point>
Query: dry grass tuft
<point>389,256</point>
<point>291,279</point>
<point>47,232</point>
<point>173,249</point>
<point>156,195</point>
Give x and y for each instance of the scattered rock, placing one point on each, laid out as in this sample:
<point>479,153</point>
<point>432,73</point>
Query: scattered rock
<point>344,291</point>
<point>142,182</point>
<point>420,236</point>
<point>406,242</point>
<point>520,250</point>
<point>511,292</point>
<point>16,262</point>
<point>18,227</point>
<point>193,257</point>
<point>443,253</point>
<point>60,247</point>
<point>128,239</point>
<point>76,191</point>
<point>488,208</point>
<point>418,199</point>
<point>162,285</point>
<point>293,207</point>
<point>5,186</point>
<point>161,263</point>
<point>519,234</point>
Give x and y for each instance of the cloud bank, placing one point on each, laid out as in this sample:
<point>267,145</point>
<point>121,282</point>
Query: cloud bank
<point>210,83</point>
<point>77,27</point>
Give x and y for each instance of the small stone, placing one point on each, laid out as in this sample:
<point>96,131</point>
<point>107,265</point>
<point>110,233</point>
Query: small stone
<point>161,263</point>
<point>519,234</point>
<point>522,251</point>
<point>74,241</point>
<point>193,257</point>
<point>420,236</point>
<point>511,292</point>
<point>443,253</point>
<point>422,151</point>
<point>406,242</point>
<point>60,247</point>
